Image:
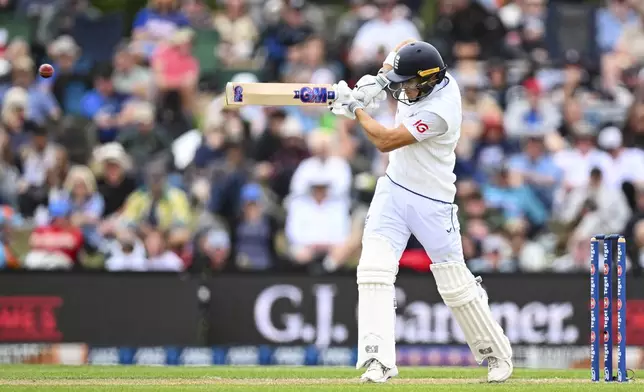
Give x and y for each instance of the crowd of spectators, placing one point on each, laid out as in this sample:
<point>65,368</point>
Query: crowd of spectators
<point>135,163</point>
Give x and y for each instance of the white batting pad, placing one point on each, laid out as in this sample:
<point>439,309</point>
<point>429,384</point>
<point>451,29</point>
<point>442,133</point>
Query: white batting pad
<point>376,302</point>
<point>463,294</point>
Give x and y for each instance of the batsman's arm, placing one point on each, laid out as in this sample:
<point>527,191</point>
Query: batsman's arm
<point>384,139</point>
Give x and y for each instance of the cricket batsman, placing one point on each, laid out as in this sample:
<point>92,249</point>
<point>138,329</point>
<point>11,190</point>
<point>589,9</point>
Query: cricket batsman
<point>416,196</point>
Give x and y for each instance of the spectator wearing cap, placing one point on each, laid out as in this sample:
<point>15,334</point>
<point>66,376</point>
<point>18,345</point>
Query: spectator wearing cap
<point>254,232</point>
<point>157,206</point>
<point>624,161</point>
<point>59,244</point>
<point>176,71</point>
<point>87,204</point>
<point>578,160</point>
<point>532,115</point>
<point>41,105</point>
<point>316,224</point>
<point>237,32</point>
<point>322,162</point>
<point>145,140</point>
<point>36,160</point>
<point>103,104</point>
<point>71,80</point>
<point>129,78</point>
<point>538,169</point>
<point>157,22</point>
<point>379,36</point>
<point>214,250</point>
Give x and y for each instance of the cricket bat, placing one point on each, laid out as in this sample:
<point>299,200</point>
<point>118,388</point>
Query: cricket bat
<point>279,94</point>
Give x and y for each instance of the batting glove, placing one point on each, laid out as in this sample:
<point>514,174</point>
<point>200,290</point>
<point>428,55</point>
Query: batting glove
<point>345,103</point>
<point>372,89</point>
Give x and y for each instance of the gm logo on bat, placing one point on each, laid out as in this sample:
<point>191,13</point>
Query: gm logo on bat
<point>238,94</point>
<point>313,94</point>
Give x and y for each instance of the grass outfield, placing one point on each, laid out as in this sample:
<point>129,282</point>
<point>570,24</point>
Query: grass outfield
<point>285,379</point>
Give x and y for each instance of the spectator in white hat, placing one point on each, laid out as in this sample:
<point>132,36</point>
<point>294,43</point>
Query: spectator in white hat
<point>323,161</point>
<point>626,162</point>
<point>317,223</point>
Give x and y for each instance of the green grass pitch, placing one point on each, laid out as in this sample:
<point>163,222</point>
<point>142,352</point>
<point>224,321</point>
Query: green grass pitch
<point>286,379</point>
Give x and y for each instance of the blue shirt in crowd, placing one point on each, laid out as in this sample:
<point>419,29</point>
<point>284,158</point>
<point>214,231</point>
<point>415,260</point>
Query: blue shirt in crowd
<point>40,103</point>
<point>94,102</point>
<point>543,166</point>
<point>609,29</point>
<point>516,202</point>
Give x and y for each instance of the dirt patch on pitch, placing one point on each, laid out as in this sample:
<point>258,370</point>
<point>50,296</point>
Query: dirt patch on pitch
<point>273,382</point>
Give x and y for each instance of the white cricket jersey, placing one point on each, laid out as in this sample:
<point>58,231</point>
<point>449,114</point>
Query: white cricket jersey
<point>427,167</point>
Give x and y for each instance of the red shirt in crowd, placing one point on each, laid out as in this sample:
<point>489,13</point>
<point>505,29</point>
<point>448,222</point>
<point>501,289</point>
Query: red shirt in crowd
<point>56,239</point>
<point>175,65</point>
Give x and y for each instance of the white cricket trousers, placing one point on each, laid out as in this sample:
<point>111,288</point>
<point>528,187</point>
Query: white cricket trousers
<point>396,213</point>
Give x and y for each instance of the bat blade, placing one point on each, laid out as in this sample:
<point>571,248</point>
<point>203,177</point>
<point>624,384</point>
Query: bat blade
<point>279,94</point>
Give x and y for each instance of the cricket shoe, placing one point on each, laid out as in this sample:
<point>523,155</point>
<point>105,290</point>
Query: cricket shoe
<point>378,373</point>
<point>498,370</point>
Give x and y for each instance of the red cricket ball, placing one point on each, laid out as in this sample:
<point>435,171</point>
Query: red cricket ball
<point>46,71</point>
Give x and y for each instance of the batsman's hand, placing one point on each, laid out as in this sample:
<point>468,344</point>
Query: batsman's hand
<point>370,90</point>
<point>345,103</point>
